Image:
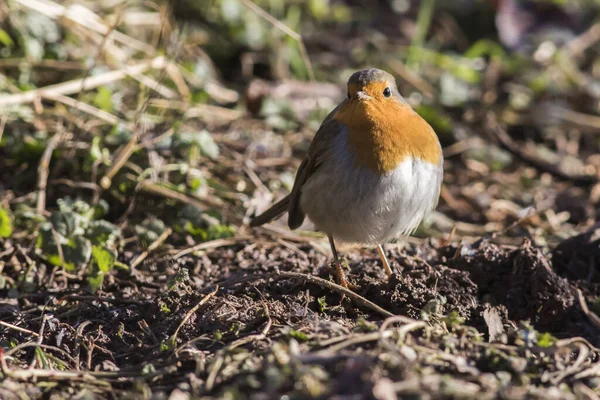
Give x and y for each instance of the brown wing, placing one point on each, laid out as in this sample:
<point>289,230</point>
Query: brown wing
<point>291,203</point>
<point>295,214</point>
<point>272,213</point>
<point>319,145</point>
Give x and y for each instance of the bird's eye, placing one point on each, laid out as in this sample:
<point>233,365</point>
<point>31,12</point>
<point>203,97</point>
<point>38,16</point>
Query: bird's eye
<point>387,92</point>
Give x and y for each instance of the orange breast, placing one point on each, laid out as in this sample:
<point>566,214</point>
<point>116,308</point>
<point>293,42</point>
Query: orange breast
<point>384,133</point>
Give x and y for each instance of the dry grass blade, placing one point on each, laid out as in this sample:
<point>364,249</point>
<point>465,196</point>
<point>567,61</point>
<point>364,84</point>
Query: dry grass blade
<point>193,310</point>
<point>151,187</point>
<point>16,328</point>
<point>288,31</point>
<point>86,19</point>
<point>360,300</point>
<point>153,246</point>
<point>75,86</point>
<point>120,160</point>
<point>103,115</point>
<point>43,170</point>
<point>594,319</point>
<point>591,122</point>
<point>505,140</point>
<point>212,244</point>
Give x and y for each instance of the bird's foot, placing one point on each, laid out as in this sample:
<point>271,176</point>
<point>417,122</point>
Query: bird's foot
<point>340,275</point>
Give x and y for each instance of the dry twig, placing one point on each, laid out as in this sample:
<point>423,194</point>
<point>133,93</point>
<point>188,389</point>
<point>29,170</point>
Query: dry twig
<point>506,141</point>
<point>153,246</point>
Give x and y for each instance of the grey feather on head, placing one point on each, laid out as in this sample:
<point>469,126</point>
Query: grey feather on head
<point>366,76</point>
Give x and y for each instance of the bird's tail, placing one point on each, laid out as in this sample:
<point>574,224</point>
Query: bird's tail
<point>272,213</point>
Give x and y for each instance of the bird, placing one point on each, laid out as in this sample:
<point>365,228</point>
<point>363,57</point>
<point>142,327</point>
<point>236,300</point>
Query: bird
<point>373,171</point>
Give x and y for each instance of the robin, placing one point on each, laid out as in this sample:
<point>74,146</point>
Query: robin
<point>372,173</point>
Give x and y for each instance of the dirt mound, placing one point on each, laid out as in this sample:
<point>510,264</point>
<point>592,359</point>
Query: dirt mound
<point>521,280</point>
<point>579,257</point>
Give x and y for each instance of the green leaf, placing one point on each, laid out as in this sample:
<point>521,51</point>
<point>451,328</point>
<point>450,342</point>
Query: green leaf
<point>76,250</point>
<point>181,278</point>
<point>439,121</point>
<point>149,230</point>
<point>366,326</point>
<point>101,209</point>
<point>545,339</point>
<point>203,140</point>
<point>318,8</point>
<point>5,39</point>
<point>73,217</point>
<point>164,308</point>
<point>148,369</point>
<point>168,344</point>
<point>102,233</point>
<point>103,262</point>
<point>95,152</point>
<point>453,319</point>
<point>485,47</point>
<point>119,135</point>
<point>299,336</point>
<point>6,227</point>
<point>95,281</point>
<point>198,233</point>
<point>322,303</point>
<point>104,258</point>
<point>207,145</point>
<point>103,99</point>
<point>220,232</point>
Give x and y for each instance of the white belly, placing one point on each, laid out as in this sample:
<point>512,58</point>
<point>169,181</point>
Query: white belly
<point>357,205</point>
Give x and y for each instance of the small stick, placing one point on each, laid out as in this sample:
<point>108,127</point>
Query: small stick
<point>155,85</point>
<point>119,161</point>
<point>592,122</point>
<point>213,244</point>
<point>531,212</point>
<point>57,11</point>
<point>315,280</point>
<point>155,140</point>
<point>288,31</point>
<point>54,64</point>
<point>159,241</point>
<point>506,141</point>
<point>111,300</point>
<point>412,78</point>
<point>73,184</point>
<point>178,79</point>
<point>189,314</point>
<point>97,377</point>
<point>43,171</point>
<point>151,187</point>
<point>77,85</point>
<point>584,41</point>
<point>260,336</point>
<point>594,319</point>
<point>16,328</point>
<point>81,106</point>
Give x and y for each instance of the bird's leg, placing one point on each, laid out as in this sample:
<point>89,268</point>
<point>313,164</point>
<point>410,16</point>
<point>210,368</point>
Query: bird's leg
<point>384,260</point>
<point>339,272</point>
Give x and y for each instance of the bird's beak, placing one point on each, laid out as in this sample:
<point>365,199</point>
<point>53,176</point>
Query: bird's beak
<point>362,95</point>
